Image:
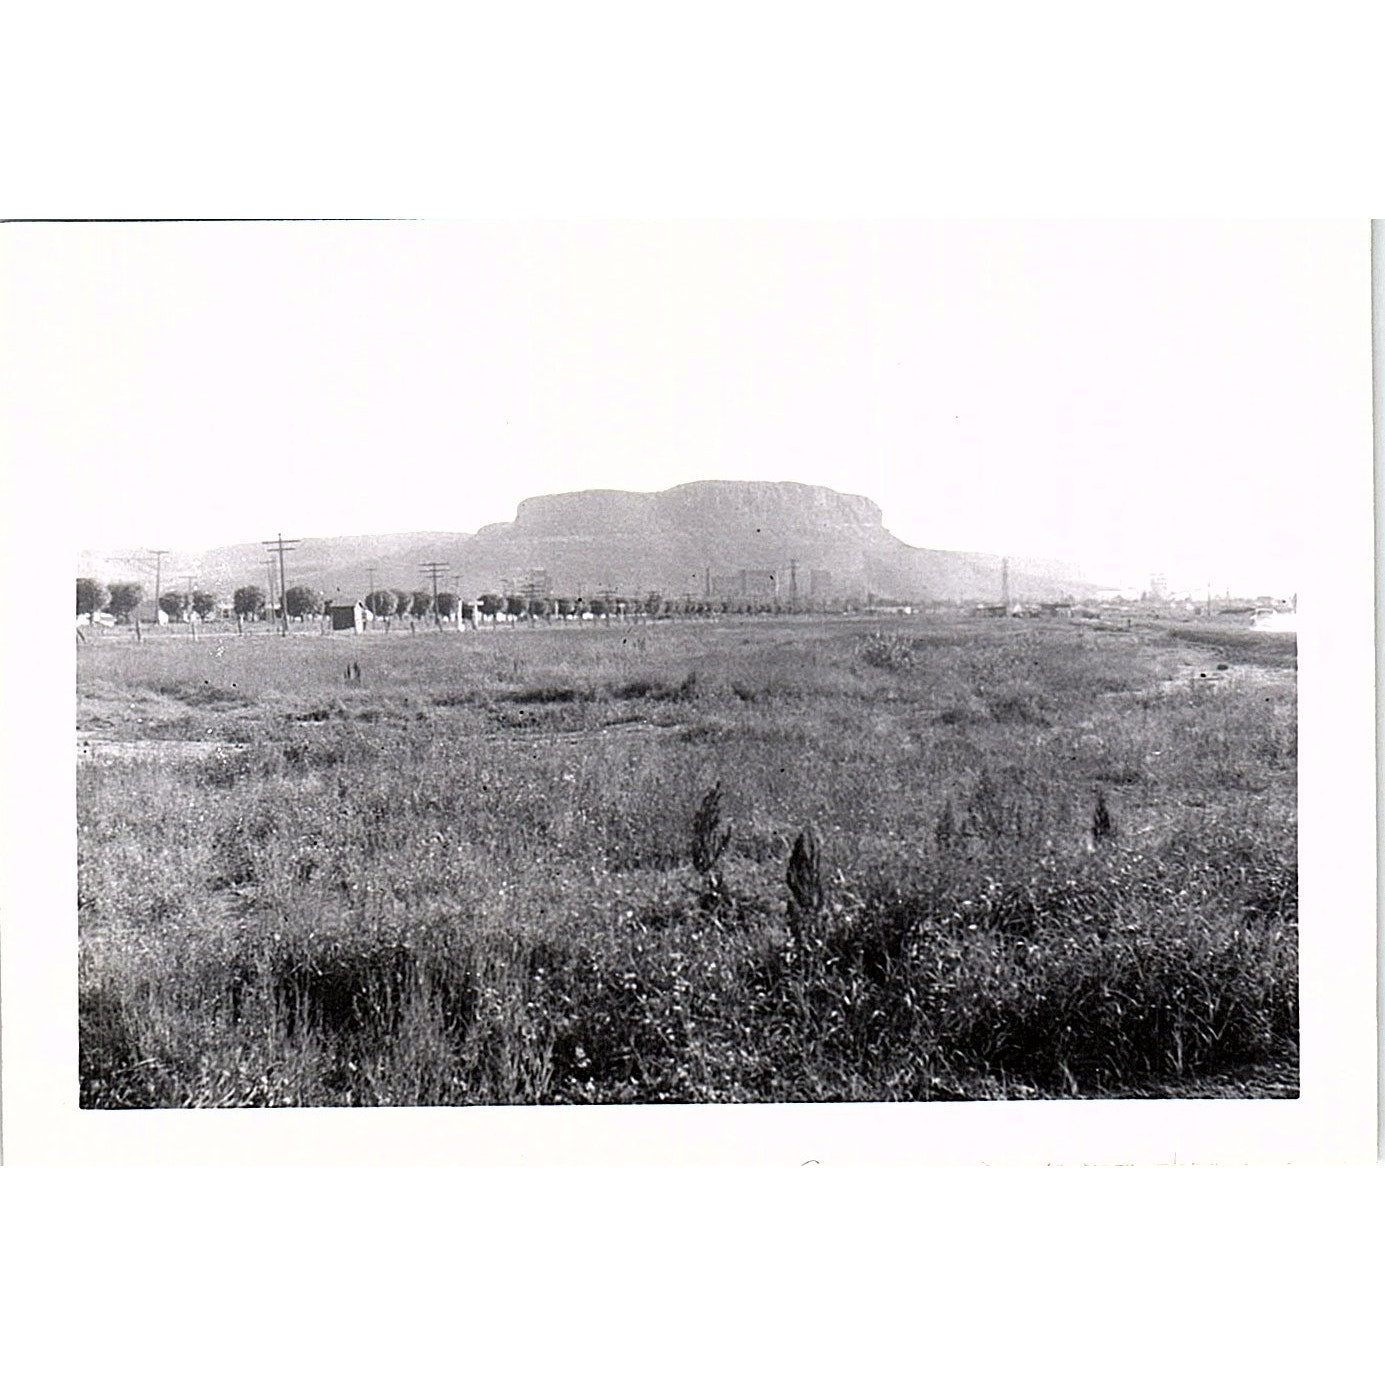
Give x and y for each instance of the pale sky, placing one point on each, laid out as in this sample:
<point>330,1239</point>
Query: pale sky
<point>1135,397</point>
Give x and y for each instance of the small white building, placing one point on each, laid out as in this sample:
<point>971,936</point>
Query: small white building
<point>343,614</point>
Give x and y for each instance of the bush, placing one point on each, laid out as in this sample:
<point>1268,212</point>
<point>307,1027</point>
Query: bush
<point>892,652</point>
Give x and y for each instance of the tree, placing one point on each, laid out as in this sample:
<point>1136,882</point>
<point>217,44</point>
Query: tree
<point>380,604</point>
<point>514,606</point>
<point>249,602</point>
<point>653,604</point>
<point>302,601</point>
<point>173,604</point>
<point>539,607</point>
<point>401,603</point>
<point>491,605</point>
<point>597,606</point>
<point>204,604</point>
<point>125,596</point>
<point>420,603</point>
<point>564,607</point>
<point>466,610</point>
<point>91,597</point>
<point>447,604</point>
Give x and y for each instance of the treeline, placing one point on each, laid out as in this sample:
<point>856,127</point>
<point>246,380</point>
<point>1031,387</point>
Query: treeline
<point>121,600</point>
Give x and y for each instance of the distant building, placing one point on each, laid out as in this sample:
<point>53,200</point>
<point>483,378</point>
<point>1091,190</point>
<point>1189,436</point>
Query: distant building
<point>757,582</point>
<point>147,613</point>
<point>347,615</point>
<point>819,584</point>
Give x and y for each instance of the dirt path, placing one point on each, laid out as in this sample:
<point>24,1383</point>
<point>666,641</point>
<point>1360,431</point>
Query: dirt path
<point>91,747</point>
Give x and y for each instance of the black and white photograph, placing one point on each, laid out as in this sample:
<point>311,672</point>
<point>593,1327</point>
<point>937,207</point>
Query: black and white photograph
<point>721,716</point>
<point>689,665</point>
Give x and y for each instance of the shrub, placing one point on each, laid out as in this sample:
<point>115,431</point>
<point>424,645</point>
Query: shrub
<point>892,652</point>
<point>709,842</point>
<point>1103,824</point>
<point>804,880</point>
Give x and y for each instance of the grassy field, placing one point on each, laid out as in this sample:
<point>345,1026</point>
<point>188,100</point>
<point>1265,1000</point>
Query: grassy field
<point>1039,859</point>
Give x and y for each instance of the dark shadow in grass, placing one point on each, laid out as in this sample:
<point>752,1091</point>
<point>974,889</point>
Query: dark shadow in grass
<point>546,695</point>
<point>205,694</point>
<point>458,698</point>
<point>1017,709</point>
<point>347,993</point>
<point>108,1053</point>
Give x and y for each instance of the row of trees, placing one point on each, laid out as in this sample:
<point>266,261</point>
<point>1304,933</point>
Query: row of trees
<point>122,599</point>
<point>386,603</point>
<point>653,604</point>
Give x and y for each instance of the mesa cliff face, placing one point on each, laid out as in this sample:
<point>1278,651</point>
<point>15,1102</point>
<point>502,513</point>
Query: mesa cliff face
<point>677,542</point>
<point>700,507</point>
<point>680,540</point>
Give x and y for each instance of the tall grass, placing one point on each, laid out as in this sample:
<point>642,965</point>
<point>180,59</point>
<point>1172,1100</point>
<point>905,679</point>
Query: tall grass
<point>489,872</point>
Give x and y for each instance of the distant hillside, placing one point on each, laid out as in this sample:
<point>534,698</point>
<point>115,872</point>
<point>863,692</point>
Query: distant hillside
<point>328,565</point>
<point>676,541</point>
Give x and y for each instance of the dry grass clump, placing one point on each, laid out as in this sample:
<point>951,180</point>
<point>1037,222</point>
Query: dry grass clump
<point>887,651</point>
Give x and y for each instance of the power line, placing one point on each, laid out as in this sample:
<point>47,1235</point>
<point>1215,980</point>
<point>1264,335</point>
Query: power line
<point>432,570</point>
<point>281,545</point>
<point>159,555</point>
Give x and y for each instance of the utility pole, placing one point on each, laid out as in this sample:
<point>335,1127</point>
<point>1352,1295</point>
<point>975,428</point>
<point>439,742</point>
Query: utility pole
<point>371,569</point>
<point>1005,583</point>
<point>432,570</point>
<point>269,572</point>
<point>159,554</point>
<point>793,584</point>
<point>282,546</point>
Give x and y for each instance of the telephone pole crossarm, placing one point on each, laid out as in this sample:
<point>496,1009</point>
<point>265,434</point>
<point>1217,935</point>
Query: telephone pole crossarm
<point>281,545</point>
<point>434,570</point>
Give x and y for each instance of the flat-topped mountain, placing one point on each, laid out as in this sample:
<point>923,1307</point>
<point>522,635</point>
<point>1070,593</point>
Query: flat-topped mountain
<point>730,537</point>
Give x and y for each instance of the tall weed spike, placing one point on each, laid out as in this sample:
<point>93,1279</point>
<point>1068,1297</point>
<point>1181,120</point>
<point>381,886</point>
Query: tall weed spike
<point>804,879</point>
<point>1103,824</point>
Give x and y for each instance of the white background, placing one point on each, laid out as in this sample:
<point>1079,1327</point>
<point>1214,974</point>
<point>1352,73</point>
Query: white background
<point>992,110</point>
